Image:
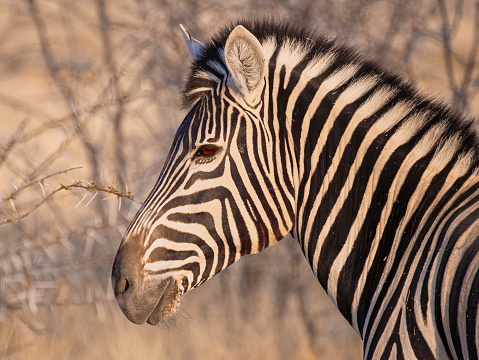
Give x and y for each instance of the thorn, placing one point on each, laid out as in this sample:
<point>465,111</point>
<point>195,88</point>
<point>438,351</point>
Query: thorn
<point>89,201</point>
<point>83,198</point>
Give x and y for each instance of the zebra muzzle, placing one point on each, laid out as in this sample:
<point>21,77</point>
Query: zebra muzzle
<point>151,301</point>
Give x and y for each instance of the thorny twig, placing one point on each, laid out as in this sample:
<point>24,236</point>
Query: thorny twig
<point>93,186</point>
<point>89,186</point>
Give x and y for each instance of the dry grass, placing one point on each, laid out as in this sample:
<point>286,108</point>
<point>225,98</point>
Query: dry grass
<point>248,325</point>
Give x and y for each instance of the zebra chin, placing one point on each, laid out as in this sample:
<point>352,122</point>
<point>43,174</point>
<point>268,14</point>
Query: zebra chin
<point>152,302</point>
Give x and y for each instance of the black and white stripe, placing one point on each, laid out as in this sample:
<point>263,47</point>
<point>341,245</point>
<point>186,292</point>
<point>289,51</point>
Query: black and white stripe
<point>378,183</point>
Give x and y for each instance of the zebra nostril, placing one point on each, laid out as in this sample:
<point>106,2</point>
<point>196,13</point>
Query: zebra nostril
<point>126,271</point>
<point>122,286</point>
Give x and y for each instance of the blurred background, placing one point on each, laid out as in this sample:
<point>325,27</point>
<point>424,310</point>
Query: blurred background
<point>89,104</point>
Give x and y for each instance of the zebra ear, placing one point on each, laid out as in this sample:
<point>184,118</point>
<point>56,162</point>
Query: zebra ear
<point>245,60</point>
<point>194,46</point>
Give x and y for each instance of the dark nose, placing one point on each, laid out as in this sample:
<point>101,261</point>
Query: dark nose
<point>126,272</point>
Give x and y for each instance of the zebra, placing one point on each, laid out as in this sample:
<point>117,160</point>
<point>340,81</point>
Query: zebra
<point>294,132</point>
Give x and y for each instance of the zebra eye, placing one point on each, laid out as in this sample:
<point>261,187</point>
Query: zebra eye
<point>207,151</point>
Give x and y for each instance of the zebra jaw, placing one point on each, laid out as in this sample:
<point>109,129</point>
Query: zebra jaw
<point>168,304</point>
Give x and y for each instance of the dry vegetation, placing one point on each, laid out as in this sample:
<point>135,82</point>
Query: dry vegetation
<point>88,107</point>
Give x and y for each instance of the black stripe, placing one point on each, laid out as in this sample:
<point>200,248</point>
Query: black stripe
<point>471,314</point>
<point>164,254</point>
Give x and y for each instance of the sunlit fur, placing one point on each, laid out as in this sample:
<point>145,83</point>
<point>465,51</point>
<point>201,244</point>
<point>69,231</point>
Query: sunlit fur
<point>378,183</point>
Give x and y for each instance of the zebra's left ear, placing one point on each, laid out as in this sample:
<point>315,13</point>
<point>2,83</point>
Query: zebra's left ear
<point>195,47</point>
<point>245,60</point>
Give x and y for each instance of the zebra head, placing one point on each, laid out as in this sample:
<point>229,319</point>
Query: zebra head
<point>223,192</point>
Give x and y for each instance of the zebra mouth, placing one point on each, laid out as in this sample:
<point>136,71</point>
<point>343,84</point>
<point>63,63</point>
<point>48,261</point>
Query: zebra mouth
<point>168,304</point>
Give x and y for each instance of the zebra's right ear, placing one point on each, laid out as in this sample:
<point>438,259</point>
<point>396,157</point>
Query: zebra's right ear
<point>194,46</point>
<point>245,60</point>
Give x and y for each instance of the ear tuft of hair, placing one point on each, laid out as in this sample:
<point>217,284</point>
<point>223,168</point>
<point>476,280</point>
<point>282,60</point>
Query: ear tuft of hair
<point>245,60</point>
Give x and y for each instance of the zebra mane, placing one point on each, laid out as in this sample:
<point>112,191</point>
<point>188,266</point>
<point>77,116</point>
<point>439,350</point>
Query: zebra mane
<point>209,69</point>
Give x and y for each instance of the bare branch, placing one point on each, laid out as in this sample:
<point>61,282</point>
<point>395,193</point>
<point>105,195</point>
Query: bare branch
<point>446,46</point>
<point>14,139</point>
<point>118,116</point>
<point>471,61</point>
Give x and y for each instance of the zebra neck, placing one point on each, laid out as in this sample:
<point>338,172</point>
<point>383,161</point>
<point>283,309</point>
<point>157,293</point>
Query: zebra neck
<point>369,171</point>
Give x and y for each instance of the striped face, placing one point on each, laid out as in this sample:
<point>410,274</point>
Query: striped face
<point>217,199</point>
